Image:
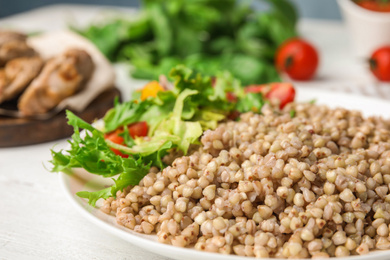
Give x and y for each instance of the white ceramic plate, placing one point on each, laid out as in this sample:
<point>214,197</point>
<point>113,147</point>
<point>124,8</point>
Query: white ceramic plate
<point>84,181</point>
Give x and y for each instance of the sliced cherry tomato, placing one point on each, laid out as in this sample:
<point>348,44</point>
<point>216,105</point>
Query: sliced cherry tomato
<point>136,130</point>
<point>380,63</point>
<point>116,138</point>
<point>284,92</point>
<point>297,58</point>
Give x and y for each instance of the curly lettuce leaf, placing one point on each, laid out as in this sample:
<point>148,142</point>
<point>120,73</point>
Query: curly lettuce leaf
<point>210,96</point>
<point>188,132</point>
<point>124,114</point>
<point>152,111</point>
<point>251,102</point>
<point>209,119</point>
<point>160,109</point>
<point>94,196</point>
<point>225,82</point>
<point>92,153</point>
<point>135,171</point>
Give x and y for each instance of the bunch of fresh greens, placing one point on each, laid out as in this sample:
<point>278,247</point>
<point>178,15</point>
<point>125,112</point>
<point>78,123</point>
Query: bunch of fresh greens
<point>176,119</point>
<point>206,35</point>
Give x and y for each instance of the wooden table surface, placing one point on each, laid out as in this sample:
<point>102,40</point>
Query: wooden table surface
<point>37,221</point>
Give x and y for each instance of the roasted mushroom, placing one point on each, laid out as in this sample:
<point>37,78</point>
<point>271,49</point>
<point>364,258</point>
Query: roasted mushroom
<point>17,75</point>
<point>60,78</point>
<point>13,45</point>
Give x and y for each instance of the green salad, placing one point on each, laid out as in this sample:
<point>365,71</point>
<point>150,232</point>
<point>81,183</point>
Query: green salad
<point>206,35</point>
<point>137,134</point>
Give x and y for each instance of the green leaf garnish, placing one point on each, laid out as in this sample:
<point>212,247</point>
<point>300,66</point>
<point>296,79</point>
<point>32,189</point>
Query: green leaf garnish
<point>176,120</point>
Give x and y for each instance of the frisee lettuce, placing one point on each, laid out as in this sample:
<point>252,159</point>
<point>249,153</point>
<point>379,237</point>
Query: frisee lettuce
<point>92,153</point>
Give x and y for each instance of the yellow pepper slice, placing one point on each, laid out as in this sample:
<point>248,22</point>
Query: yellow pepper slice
<point>151,89</point>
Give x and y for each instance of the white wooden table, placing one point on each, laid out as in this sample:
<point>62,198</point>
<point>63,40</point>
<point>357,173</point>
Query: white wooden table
<point>36,220</point>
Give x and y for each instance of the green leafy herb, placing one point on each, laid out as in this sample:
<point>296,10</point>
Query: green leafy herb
<point>124,114</point>
<point>129,141</point>
<point>292,113</point>
<point>206,35</point>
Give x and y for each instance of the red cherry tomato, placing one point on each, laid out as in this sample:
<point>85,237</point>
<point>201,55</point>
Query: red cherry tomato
<point>116,138</point>
<point>297,58</point>
<point>284,92</point>
<point>374,5</point>
<point>380,63</point>
<point>136,130</point>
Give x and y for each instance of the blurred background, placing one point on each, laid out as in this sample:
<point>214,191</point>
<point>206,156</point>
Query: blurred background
<point>319,9</point>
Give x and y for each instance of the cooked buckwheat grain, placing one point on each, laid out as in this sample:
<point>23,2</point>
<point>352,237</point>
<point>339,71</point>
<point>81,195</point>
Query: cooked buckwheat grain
<point>313,186</point>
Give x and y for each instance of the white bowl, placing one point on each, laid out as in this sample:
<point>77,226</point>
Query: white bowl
<point>368,30</point>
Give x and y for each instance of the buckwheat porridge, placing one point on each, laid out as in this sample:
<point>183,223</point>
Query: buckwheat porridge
<point>315,185</point>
